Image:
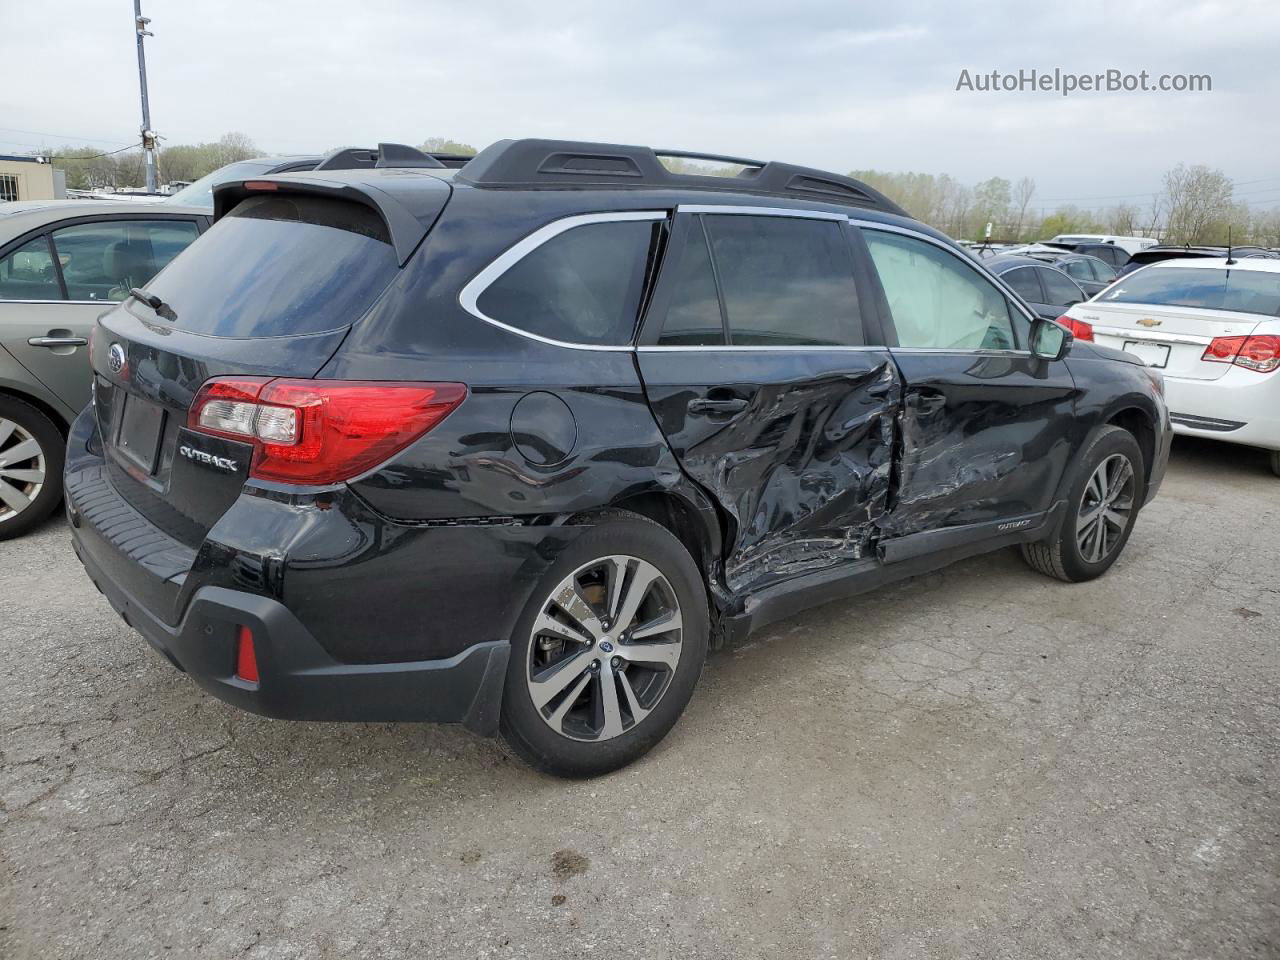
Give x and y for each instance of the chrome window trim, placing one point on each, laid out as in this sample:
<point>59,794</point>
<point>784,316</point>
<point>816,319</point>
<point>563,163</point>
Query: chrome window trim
<point>66,302</point>
<point>470,294</point>
<point>1124,333</point>
<point>747,348</point>
<point>739,210</point>
<point>1012,297</point>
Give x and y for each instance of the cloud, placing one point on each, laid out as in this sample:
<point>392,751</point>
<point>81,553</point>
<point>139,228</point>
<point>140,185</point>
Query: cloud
<point>831,83</point>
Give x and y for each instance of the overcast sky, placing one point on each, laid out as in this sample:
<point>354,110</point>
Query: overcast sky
<point>832,84</point>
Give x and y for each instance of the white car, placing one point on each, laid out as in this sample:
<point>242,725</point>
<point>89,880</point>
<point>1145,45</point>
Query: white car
<point>1130,245</point>
<point>1213,327</point>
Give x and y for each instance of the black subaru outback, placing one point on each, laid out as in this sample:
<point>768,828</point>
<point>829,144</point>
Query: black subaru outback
<point>513,445</point>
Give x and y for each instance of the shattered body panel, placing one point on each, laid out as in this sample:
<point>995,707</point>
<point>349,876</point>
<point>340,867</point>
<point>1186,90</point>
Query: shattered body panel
<point>802,472</point>
<point>981,438</point>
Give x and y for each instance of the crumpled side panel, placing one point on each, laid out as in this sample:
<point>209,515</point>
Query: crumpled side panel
<point>804,473</point>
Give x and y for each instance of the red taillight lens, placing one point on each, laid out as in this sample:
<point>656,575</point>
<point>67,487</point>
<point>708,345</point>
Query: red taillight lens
<point>320,431</point>
<point>1079,329</point>
<point>1260,354</point>
<point>246,656</point>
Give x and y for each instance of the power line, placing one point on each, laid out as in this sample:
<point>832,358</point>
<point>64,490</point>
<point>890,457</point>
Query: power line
<point>61,136</point>
<point>97,156</point>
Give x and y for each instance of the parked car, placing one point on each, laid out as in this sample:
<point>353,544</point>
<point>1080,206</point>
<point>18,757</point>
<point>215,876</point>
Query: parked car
<point>1213,327</point>
<point>200,193</point>
<point>469,446</point>
<point>1045,288</point>
<point>63,262</point>
<point>1163,253</point>
<point>1091,274</point>
<point>1130,245</point>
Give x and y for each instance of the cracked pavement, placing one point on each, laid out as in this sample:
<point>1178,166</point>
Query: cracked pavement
<point>977,763</point>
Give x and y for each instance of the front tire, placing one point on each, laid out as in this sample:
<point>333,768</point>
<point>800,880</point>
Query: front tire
<point>1105,491</point>
<point>607,652</point>
<point>31,455</point>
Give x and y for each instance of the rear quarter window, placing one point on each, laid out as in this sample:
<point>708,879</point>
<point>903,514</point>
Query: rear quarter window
<point>580,286</point>
<point>278,266</point>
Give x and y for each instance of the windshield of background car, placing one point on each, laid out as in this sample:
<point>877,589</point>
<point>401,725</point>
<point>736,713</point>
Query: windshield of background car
<point>1242,291</point>
<point>200,193</point>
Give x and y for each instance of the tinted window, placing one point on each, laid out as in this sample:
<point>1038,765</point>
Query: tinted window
<point>1102,271</point>
<point>786,281</point>
<point>1078,269</point>
<point>278,266</point>
<point>101,261</point>
<point>582,286</point>
<point>1058,289</point>
<point>693,314</point>
<point>28,274</point>
<point>1024,283</point>
<point>937,300</point>
<point>1245,291</point>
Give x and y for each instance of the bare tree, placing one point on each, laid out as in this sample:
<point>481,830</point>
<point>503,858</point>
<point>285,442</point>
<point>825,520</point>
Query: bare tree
<point>1123,219</point>
<point>1023,191</point>
<point>1197,197</point>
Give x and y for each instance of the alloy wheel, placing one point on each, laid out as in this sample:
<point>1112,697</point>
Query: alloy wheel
<point>604,649</point>
<point>22,469</point>
<point>1106,508</point>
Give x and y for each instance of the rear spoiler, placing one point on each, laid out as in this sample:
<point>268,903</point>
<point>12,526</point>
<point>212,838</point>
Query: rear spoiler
<point>388,155</point>
<point>409,205</point>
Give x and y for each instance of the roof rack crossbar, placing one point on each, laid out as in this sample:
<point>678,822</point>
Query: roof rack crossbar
<point>550,163</point>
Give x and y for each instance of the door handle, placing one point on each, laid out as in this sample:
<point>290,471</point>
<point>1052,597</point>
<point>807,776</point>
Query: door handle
<point>703,405</point>
<point>57,341</point>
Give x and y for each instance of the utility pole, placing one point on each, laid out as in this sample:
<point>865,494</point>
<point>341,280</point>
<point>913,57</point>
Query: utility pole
<point>148,135</point>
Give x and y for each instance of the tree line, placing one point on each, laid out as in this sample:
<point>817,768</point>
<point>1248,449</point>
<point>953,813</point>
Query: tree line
<point>1196,204</point>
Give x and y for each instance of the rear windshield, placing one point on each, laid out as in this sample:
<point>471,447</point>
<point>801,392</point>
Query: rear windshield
<point>278,266</point>
<point>1242,291</point>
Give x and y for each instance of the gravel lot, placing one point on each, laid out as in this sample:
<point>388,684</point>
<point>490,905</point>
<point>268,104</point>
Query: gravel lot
<point>978,763</point>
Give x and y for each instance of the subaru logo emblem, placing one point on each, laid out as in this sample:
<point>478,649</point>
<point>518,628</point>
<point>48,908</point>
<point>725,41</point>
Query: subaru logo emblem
<point>116,358</point>
<point>606,646</point>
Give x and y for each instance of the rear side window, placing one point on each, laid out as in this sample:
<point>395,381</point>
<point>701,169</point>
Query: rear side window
<point>1058,289</point>
<point>693,314</point>
<point>1023,282</point>
<point>28,273</point>
<point>102,261</point>
<point>279,266</point>
<point>1078,269</point>
<point>581,286</point>
<point>785,281</point>
<point>1244,291</point>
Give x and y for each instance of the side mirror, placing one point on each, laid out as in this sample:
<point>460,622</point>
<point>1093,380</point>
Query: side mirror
<point>1049,341</point>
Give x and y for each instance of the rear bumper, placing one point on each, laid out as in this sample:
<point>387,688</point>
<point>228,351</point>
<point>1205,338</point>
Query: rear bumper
<point>298,680</point>
<point>1241,406</point>
<point>354,617</point>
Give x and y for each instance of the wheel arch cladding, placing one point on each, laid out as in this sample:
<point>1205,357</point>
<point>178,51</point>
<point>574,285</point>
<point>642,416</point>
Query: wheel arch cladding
<point>54,415</point>
<point>690,524</point>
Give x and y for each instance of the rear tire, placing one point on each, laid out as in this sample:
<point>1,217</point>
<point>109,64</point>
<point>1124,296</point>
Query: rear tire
<point>1105,491</point>
<point>32,452</point>
<point>1275,462</point>
<point>582,695</point>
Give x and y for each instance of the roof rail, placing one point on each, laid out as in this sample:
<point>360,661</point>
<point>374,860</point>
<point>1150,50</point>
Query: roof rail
<point>550,163</point>
<point>385,155</point>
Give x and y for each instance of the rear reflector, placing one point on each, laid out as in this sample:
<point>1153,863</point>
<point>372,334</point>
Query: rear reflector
<point>1260,354</point>
<point>1079,329</point>
<point>261,185</point>
<point>246,656</point>
<point>320,431</point>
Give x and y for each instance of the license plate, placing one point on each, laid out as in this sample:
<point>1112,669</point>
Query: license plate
<point>141,426</point>
<point>1152,354</point>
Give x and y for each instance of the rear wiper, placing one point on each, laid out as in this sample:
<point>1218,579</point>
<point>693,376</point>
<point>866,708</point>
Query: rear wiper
<point>154,302</point>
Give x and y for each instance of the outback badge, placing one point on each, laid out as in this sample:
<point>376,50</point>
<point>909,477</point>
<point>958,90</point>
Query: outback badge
<point>225,464</point>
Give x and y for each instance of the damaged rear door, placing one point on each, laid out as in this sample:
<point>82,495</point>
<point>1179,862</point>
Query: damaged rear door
<point>986,428</point>
<point>755,360</point>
